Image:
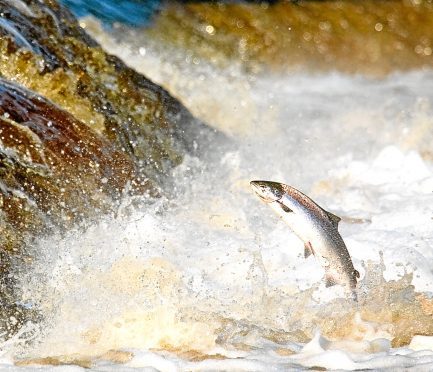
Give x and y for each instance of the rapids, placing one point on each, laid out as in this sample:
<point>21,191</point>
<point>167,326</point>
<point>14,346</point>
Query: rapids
<point>207,278</point>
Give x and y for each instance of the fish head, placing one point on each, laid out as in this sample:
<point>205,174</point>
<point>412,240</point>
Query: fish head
<point>268,191</point>
<point>280,197</point>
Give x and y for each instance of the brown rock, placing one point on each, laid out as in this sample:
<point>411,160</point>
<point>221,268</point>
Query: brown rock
<point>76,127</point>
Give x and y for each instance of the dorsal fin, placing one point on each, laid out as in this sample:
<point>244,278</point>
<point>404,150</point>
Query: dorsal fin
<point>334,219</point>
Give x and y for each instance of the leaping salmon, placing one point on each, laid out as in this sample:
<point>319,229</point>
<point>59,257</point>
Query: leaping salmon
<point>317,228</point>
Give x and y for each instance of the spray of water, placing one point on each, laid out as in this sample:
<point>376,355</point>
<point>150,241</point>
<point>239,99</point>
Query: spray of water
<point>207,277</point>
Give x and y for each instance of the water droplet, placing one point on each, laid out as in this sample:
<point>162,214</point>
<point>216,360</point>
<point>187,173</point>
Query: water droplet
<point>378,26</point>
<point>210,29</point>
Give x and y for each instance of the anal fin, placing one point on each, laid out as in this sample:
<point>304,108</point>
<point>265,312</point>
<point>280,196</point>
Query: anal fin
<point>329,280</point>
<point>308,250</point>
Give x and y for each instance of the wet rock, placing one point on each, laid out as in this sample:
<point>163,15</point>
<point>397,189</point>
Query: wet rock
<point>77,128</point>
<point>56,162</point>
<point>77,124</point>
<point>54,171</point>
<point>49,53</point>
<point>38,27</point>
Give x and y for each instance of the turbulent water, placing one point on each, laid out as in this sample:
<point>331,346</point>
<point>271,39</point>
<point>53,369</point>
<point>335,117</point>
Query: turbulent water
<point>208,278</point>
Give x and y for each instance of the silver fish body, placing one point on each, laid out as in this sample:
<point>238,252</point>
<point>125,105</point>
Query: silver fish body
<point>317,228</point>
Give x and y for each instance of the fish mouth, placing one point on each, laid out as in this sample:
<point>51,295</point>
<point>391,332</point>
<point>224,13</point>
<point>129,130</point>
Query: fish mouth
<point>268,191</point>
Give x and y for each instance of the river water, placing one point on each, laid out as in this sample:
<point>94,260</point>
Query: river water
<point>208,278</point>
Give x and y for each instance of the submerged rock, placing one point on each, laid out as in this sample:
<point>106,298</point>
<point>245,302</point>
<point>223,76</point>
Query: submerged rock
<point>77,128</point>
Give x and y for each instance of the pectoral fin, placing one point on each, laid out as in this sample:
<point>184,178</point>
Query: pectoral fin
<point>285,208</point>
<point>334,219</point>
<point>308,250</point>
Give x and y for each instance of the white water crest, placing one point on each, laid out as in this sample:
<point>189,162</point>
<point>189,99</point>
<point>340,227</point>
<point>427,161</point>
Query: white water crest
<point>210,279</point>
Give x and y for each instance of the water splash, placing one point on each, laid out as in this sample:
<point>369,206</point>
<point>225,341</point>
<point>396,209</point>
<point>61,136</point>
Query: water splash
<point>180,278</point>
<point>209,279</point>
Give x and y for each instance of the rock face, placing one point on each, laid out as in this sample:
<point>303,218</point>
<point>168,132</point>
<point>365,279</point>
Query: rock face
<point>53,161</point>
<point>44,49</point>
<point>77,127</point>
<point>54,171</point>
